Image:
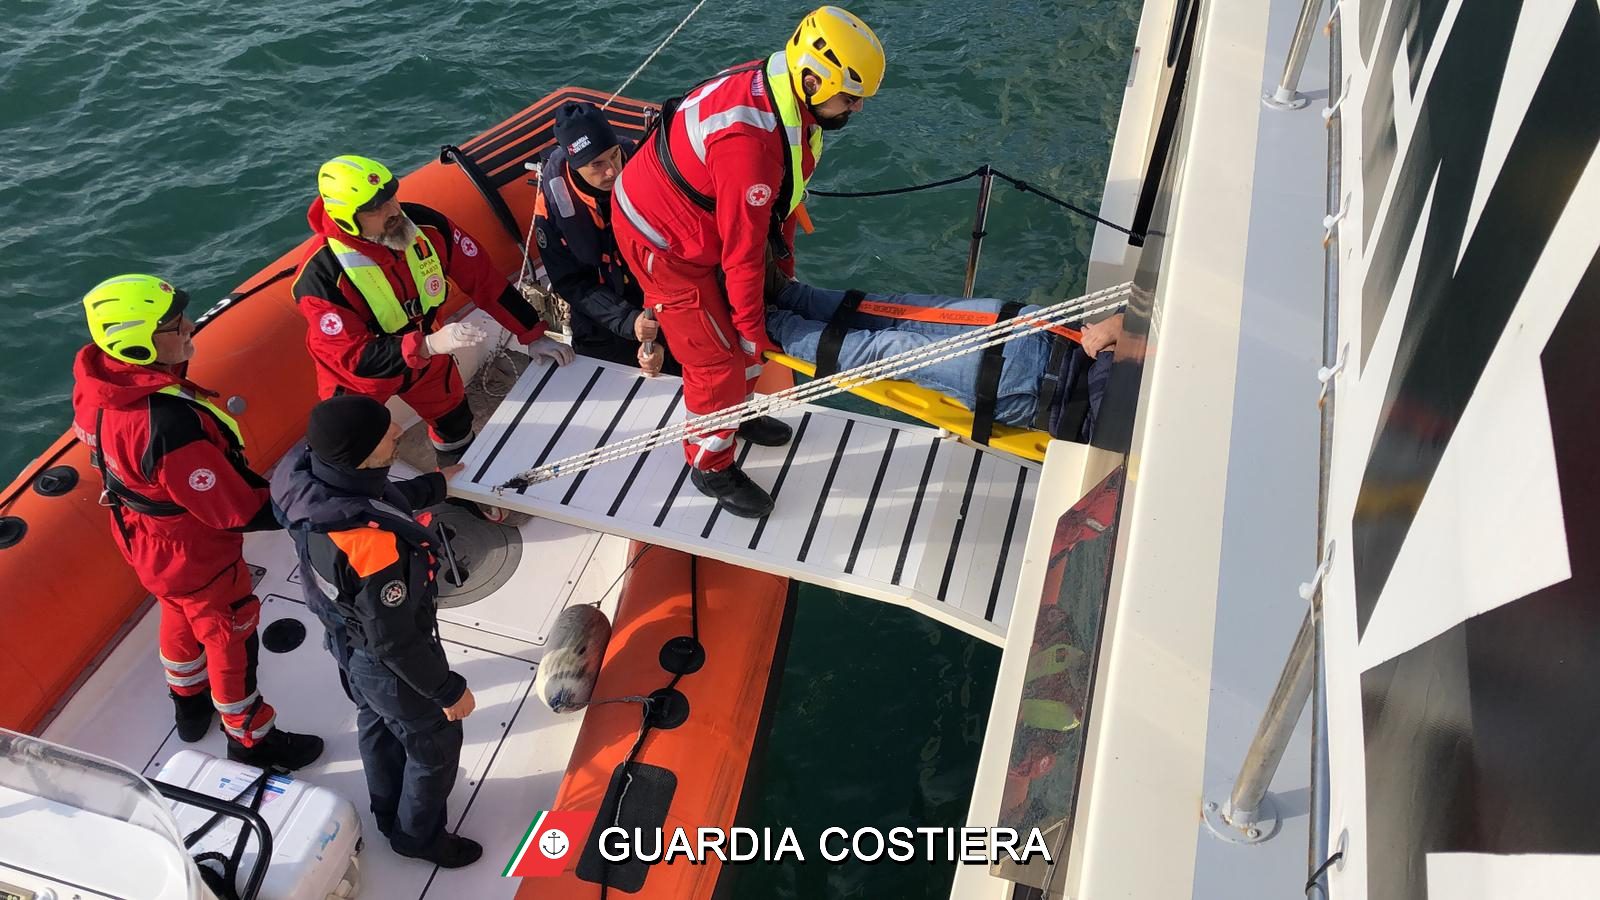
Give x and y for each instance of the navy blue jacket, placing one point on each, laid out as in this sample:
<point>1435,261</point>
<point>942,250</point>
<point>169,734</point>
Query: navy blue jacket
<point>581,260</point>
<point>367,566</point>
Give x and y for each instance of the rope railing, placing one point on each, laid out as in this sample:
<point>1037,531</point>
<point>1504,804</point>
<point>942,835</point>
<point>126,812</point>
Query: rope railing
<point>1017,183</point>
<point>970,341</point>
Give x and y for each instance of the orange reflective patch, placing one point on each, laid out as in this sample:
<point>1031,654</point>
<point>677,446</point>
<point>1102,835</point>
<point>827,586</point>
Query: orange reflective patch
<point>369,550</point>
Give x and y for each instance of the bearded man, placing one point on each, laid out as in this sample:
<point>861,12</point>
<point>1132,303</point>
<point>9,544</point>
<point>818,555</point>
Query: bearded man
<point>371,290</point>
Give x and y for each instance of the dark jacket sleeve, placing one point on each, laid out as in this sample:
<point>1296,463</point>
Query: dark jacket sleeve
<point>424,490</point>
<point>395,639</point>
<point>581,285</point>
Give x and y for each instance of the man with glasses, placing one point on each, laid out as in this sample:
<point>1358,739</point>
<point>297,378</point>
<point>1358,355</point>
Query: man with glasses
<point>371,290</point>
<point>710,193</point>
<point>181,495</point>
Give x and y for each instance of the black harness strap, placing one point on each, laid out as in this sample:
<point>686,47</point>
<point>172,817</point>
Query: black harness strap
<point>662,125</point>
<point>989,379</point>
<point>118,495</point>
<point>833,336</point>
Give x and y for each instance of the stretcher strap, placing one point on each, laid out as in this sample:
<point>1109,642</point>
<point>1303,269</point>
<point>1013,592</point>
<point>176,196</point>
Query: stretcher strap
<point>1049,385</point>
<point>989,380</point>
<point>897,366</point>
<point>832,339</point>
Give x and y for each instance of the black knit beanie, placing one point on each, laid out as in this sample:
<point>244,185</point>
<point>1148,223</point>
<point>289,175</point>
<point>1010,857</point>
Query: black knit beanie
<point>345,430</point>
<point>584,131</point>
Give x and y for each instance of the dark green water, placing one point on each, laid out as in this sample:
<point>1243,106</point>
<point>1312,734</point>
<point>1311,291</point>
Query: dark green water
<point>183,137</point>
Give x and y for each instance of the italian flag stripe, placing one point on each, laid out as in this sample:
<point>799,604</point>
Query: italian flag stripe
<point>525,843</point>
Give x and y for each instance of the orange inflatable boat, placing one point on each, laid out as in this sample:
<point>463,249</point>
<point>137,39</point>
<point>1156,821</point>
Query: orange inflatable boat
<point>679,774</point>
<point>66,595</point>
<point>56,618</point>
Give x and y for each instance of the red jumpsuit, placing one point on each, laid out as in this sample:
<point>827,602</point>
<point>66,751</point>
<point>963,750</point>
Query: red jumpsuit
<point>705,270</point>
<point>354,356</point>
<point>173,452</point>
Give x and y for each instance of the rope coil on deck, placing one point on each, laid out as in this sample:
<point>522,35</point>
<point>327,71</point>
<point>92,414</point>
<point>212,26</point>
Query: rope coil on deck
<point>890,367</point>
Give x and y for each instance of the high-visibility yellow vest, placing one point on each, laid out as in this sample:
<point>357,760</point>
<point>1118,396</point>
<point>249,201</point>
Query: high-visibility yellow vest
<point>783,100</point>
<point>183,393</point>
<point>427,273</point>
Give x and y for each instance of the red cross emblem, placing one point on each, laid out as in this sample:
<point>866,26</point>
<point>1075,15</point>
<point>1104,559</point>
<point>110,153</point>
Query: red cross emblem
<point>372,178</point>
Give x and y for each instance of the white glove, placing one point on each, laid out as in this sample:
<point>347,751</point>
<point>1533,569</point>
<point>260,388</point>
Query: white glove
<point>455,336</point>
<point>551,349</point>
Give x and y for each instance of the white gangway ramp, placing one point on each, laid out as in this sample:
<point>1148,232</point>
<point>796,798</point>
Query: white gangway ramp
<point>876,508</point>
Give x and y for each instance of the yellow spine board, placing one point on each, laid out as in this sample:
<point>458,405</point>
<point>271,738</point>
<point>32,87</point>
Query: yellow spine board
<point>934,408</point>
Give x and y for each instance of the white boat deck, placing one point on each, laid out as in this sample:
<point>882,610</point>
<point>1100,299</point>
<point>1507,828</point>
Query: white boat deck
<point>883,510</point>
<point>515,751</point>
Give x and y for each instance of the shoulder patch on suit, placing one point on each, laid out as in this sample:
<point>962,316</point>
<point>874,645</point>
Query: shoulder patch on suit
<point>393,594</point>
<point>368,550</point>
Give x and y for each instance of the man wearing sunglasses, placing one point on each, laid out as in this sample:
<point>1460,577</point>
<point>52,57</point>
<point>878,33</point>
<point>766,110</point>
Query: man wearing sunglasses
<point>711,191</point>
<point>371,292</point>
<point>181,494</point>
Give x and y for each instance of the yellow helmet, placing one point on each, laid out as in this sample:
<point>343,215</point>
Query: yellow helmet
<point>124,312</point>
<point>840,49</point>
<point>350,184</point>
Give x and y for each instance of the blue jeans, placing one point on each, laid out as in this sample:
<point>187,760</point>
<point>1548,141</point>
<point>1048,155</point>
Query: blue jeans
<point>797,317</point>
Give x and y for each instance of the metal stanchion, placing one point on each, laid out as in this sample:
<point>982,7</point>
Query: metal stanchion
<point>1286,95</point>
<point>980,220</point>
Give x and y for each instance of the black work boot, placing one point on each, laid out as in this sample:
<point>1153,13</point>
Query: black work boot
<point>282,750</point>
<point>193,715</point>
<point>734,491</point>
<point>765,431</point>
<point>449,851</point>
<point>447,458</point>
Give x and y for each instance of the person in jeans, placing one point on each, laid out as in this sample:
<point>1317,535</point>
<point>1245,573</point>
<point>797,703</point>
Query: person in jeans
<point>799,313</point>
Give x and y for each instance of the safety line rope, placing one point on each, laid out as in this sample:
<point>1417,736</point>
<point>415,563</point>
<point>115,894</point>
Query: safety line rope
<point>889,192</point>
<point>970,341</point>
<point>1017,183</point>
<point>652,56</point>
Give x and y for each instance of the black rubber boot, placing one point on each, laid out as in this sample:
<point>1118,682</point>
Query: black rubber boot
<point>450,851</point>
<point>281,750</point>
<point>734,491</point>
<point>193,715</point>
<point>765,431</point>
